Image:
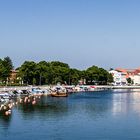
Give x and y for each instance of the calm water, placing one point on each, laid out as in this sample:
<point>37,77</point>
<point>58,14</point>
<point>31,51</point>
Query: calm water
<point>83,116</point>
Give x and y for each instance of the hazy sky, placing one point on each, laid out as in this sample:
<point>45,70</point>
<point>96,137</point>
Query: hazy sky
<point>81,33</point>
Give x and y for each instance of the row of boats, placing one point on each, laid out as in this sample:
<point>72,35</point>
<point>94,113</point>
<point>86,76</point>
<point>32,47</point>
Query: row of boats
<point>56,91</point>
<point>5,96</point>
<point>30,96</point>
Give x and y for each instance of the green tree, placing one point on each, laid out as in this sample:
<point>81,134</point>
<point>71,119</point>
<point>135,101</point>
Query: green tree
<point>60,72</point>
<point>42,72</point>
<point>130,81</point>
<point>110,78</point>
<point>27,72</point>
<point>7,62</point>
<point>96,75</point>
<point>6,67</point>
<point>60,64</point>
<point>2,69</point>
<point>74,76</point>
<point>92,75</point>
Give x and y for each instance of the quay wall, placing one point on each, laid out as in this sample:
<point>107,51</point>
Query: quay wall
<point>119,87</point>
<point>43,87</point>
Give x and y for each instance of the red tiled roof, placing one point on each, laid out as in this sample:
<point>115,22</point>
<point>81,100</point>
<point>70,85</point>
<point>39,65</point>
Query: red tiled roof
<point>128,72</point>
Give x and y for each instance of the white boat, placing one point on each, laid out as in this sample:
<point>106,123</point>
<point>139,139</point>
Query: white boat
<point>36,91</point>
<point>4,97</point>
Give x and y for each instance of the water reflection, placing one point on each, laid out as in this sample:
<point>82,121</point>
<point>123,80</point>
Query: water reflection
<point>76,105</point>
<point>125,101</point>
<point>5,121</point>
<point>47,106</point>
<point>92,104</point>
<point>135,105</point>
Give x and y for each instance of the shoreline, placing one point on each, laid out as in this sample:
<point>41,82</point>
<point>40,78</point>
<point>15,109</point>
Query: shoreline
<point>8,88</point>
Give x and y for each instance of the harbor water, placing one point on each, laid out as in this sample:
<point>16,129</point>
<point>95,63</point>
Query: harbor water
<point>102,115</point>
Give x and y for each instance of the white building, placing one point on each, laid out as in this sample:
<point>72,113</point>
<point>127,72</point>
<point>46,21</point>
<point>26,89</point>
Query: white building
<point>119,77</point>
<point>116,77</point>
<point>136,79</point>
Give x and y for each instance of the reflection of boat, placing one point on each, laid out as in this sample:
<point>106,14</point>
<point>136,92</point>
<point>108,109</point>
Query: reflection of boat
<point>55,94</point>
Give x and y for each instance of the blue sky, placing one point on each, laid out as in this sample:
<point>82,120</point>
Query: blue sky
<point>81,33</point>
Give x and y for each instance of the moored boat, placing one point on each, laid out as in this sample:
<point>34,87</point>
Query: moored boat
<point>55,94</point>
<point>4,97</point>
<point>58,91</point>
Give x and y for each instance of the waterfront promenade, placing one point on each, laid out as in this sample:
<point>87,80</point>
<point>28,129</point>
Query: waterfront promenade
<point>119,87</point>
<point>8,88</point>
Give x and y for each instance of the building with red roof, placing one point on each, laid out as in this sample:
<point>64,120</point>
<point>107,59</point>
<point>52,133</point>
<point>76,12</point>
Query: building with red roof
<point>123,74</point>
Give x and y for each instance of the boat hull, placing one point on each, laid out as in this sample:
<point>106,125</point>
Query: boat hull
<point>59,95</point>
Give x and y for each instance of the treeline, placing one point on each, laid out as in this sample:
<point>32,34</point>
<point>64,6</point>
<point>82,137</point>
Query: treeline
<point>32,73</point>
<point>58,72</point>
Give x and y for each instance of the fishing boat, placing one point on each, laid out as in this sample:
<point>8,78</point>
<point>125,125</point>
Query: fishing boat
<point>59,91</point>
<point>56,94</point>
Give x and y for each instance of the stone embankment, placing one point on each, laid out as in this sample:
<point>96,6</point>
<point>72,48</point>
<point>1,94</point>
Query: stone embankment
<point>47,87</point>
<point>118,87</point>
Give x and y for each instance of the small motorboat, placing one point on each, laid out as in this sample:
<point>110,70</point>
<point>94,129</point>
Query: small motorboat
<point>37,91</point>
<point>4,97</point>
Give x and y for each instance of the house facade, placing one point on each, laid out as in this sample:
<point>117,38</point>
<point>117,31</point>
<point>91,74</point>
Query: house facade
<point>117,77</point>
<point>14,76</point>
<point>121,75</point>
